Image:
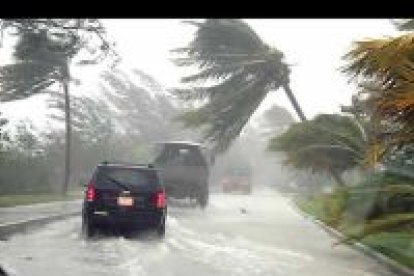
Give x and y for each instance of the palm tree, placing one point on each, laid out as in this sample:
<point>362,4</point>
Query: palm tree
<point>41,62</point>
<point>244,69</point>
<point>388,63</point>
<point>329,143</point>
<point>44,53</point>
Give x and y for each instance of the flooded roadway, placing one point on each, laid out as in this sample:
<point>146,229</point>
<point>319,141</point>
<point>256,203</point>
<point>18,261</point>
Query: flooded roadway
<point>259,234</point>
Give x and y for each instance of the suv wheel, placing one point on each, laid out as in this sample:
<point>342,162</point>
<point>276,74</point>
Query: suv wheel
<point>161,229</point>
<point>203,197</point>
<point>88,229</point>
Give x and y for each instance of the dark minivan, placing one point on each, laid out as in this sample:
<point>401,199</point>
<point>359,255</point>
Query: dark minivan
<point>122,196</point>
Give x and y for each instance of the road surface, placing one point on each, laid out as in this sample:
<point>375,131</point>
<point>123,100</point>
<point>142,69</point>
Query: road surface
<point>269,238</point>
<point>29,212</point>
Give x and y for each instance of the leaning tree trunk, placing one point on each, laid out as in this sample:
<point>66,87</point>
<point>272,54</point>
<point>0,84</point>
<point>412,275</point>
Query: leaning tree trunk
<point>68,132</point>
<point>335,175</point>
<point>294,102</point>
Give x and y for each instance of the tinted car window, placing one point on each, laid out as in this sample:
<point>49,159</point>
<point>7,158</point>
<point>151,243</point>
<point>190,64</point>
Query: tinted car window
<point>127,176</point>
<point>180,155</point>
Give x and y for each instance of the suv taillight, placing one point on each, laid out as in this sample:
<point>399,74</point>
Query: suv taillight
<point>159,199</point>
<point>90,192</point>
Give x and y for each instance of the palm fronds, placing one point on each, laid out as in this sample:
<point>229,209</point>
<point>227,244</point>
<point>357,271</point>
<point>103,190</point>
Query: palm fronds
<point>242,68</point>
<point>389,62</point>
<point>21,80</point>
<point>37,67</point>
<point>324,143</point>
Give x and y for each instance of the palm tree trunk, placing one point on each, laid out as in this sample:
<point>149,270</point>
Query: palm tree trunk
<point>68,132</point>
<point>294,102</point>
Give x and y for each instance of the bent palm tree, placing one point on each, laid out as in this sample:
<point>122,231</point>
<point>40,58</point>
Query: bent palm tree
<point>229,52</point>
<point>329,143</point>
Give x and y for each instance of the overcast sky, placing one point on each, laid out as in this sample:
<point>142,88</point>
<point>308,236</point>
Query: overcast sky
<point>313,47</point>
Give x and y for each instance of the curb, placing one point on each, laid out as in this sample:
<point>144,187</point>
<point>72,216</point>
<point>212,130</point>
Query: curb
<point>380,258</point>
<point>8,229</point>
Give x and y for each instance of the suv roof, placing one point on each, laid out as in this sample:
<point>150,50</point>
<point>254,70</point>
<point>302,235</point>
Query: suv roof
<point>186,143</point>
<point>127,165</point>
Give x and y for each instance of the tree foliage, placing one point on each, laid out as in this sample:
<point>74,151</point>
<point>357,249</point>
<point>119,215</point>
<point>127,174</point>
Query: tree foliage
<point>44,49</point>
<point>384,70</point>
<point>37,67</point>
<point>275,120</point>
<point>404,24</point>
<point>389,63</point>
<point>236,71</point>
<point>4,136</point>
<point>74,34</point>
<point>143,116</point>
<point>91,118</point>
<point>325,144</point>
<point>44,52</point>
<point>23,165</point>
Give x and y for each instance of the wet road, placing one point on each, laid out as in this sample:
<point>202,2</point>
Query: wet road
<point>270,238</point>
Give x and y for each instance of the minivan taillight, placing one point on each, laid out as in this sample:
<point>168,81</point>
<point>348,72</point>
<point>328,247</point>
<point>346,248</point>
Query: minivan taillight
<point>159,199</point>
<point>90,192</point>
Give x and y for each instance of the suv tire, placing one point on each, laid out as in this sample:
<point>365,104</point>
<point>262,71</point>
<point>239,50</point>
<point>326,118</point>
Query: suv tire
<point>203,197</point>
<point>161,229</point>
<point>88,228</point>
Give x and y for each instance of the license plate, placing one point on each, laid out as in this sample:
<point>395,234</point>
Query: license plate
<point>125,201</point>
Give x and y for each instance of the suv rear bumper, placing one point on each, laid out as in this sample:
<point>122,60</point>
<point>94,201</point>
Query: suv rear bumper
<point>183,190</point>
<point>125,218</point>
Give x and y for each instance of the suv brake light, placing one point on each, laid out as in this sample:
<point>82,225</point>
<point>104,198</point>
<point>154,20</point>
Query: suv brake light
<point>90,192</point>
<point>159,199</point>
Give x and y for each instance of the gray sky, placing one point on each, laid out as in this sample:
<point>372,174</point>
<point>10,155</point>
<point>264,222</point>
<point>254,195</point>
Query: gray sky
<point>313,46</point>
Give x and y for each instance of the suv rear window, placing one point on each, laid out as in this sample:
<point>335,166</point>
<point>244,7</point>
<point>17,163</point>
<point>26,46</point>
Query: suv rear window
<point>126,176</point>
<point>180,155</point>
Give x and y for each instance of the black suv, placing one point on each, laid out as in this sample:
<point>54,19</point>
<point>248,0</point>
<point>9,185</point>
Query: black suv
<point>123,196</point>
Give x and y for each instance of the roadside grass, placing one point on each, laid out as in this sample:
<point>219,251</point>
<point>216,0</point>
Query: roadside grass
<point>313,206</point>
<point>397,245</point>
<point>27,199</point>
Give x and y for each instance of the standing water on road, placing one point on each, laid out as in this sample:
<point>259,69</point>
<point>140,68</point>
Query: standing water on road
<point>270,238</point>
<point>238,142</point>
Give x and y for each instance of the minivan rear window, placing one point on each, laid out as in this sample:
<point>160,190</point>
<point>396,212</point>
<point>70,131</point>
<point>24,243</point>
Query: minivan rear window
<point>126,176</point>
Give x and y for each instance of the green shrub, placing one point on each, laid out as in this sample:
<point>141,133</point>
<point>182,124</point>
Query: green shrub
<point>381,194</point>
